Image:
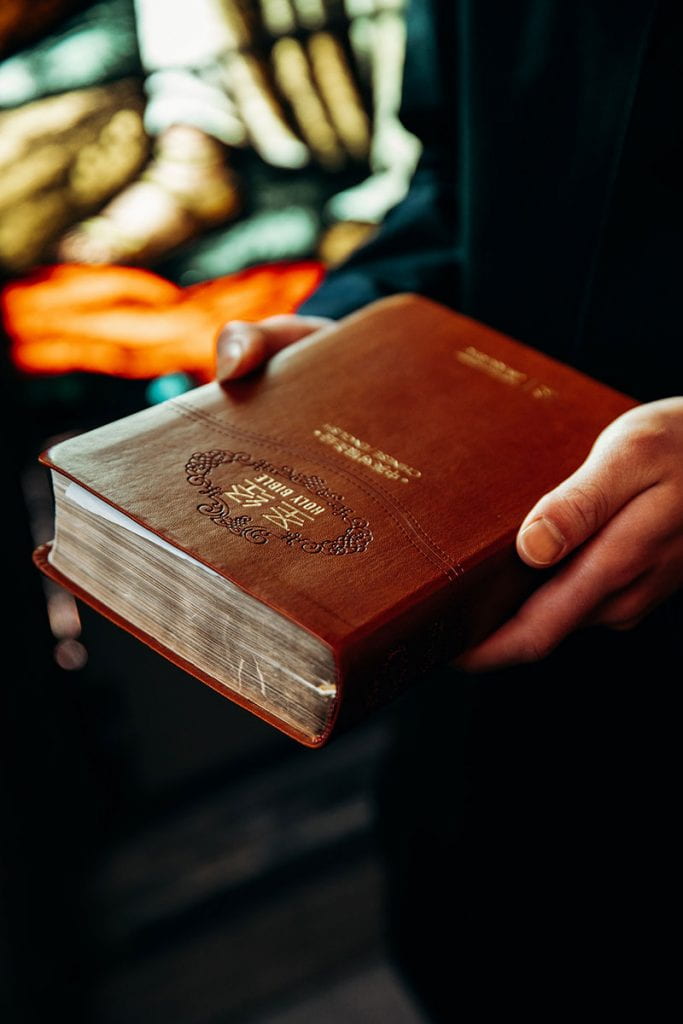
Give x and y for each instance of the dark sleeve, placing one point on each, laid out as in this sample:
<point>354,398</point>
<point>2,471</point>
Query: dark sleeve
<point>417,247</point>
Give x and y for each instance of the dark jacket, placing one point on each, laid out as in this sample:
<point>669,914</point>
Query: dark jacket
<point>528,818</point>
<point>548,199</point>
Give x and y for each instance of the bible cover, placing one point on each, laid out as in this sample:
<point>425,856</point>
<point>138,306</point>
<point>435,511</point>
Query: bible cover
<point>366,487</point>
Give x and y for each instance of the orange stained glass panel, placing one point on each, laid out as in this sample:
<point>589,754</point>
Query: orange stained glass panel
<point>129,322</point>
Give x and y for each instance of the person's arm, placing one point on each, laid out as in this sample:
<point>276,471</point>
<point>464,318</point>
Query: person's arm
<point>417,248</point>
<point>415,251</point>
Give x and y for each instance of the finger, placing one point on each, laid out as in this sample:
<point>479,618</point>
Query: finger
<point>623,627</point>
<point>628,607</point>
<point>545,618</point>
<point>617,469</point>
<point>610,580</point>
<point>242,347</point>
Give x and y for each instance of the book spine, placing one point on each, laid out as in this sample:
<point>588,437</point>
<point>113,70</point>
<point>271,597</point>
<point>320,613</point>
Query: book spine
<point>378,666</point>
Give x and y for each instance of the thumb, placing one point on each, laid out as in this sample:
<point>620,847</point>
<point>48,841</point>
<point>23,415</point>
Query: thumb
<point>241,347</point>
<point>577,508</point>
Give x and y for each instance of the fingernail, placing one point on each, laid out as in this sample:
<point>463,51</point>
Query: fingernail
<point>541,542</point>
<point>232,345</point>
<point>229,358</point>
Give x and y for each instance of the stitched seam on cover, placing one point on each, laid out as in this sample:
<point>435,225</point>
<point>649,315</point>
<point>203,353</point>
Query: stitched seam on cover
<point>452,568</point>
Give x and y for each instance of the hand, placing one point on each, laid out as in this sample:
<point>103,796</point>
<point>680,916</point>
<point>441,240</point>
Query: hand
<point>242,347</point>
<point>616,527</point>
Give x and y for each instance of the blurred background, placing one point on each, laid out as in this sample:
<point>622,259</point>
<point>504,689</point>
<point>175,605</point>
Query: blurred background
<point>166,166</point>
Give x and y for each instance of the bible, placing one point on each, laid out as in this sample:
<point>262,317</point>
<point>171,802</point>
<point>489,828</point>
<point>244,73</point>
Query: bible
<point>313,538</point>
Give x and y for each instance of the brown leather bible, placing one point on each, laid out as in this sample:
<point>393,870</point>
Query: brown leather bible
<point>310,540</point>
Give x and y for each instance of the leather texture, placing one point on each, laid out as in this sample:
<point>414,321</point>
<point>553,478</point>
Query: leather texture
<point>367,484</point>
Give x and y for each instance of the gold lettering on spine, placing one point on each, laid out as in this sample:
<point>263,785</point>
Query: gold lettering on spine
<point>499,370</point>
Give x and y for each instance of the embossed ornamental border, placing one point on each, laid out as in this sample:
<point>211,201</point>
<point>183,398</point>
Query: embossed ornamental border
<point>354,540</point>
